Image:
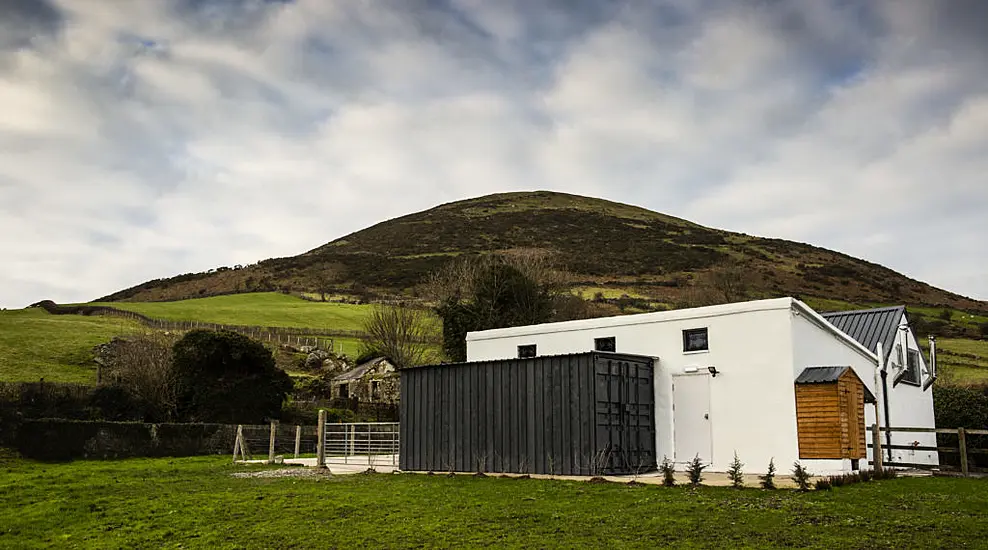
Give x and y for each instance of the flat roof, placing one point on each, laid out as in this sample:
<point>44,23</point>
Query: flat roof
<point>635,319</point>
<point>675,315</point>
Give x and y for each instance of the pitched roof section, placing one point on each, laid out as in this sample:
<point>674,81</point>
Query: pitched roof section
<point>869,326</point>
<point>358,372</point>
<point>830,375</point>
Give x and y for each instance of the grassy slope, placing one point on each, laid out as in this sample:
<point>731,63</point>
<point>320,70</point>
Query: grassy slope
<point>34,344</point>
<point>194,502</point>
<point>257,309</point>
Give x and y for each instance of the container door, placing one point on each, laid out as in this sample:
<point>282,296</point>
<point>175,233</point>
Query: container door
<point>625,416</point>
<point>691,418</point>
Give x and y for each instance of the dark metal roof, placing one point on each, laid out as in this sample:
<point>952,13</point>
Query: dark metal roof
<point>869,326</point>
<point>820,375</point>
<point>829,375</point>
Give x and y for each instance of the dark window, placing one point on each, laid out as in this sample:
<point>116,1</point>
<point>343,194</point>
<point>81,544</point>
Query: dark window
<point>605,344</point>
<point>344,391</point>
<point>526,351</point>
<point>375,390</point>
<point>911,375</point>
<point>695,339</point>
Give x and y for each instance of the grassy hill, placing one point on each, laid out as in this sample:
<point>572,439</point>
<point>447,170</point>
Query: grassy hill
<point>269,309</point>
<point>601,245</point>
<point>58,348</point>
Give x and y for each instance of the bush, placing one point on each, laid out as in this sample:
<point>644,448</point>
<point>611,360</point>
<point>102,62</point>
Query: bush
<point>823,485</point>
<point>735,473</point>
<point>668,472</point>
<point>225,377</point>
<point>768,480</point>
<point>694,469</point>
<point>961,407</point>
<point>800,476</point>
<point>983,330</point>
<point>115,404</point>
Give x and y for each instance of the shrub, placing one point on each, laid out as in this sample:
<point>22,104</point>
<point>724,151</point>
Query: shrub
<point>885,473</point>
<point>768,480</point>
<point>668,472</point>
<point>865,476</point>
<point>823,484</point>
<point>694,469</point>
<point>735,473</point>
<point>800,476</point>
<point>983,330</point>
<point>226,377</point>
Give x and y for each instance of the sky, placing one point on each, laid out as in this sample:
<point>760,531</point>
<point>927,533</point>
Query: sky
<point>145,139</point>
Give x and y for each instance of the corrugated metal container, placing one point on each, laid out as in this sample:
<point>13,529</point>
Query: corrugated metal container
<point>583,414</point>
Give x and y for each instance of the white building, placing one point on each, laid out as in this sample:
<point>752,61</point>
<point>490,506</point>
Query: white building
<point>728,378</point>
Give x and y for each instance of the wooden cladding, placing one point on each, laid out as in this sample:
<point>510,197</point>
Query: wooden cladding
<point>830,418</point>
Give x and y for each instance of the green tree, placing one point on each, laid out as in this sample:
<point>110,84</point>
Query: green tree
<point>226,377</point>
<point>487,293</point>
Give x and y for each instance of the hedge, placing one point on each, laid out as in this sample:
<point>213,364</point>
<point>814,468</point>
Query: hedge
<point>56,439</point>
<point>962,407</point>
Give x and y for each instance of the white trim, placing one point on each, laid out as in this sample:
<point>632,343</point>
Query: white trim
<point>637,319</point>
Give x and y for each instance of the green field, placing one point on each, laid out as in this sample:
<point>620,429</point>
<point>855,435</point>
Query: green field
<point>195,502</point>
<point>58,348</point>
<point>961,361</point>
<point>270,309</point>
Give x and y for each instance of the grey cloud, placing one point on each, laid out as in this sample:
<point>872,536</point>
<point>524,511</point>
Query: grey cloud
<point>167,137</point>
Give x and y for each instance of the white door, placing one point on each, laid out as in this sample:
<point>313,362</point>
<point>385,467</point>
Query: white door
<point>691,417</point>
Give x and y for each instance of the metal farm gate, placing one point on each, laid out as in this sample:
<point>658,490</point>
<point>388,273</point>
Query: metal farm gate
<point>582,414</point>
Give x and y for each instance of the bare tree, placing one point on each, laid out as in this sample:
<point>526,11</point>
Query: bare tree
<point>730,282</point>
<point>143,365</point>
<point>402,333</point>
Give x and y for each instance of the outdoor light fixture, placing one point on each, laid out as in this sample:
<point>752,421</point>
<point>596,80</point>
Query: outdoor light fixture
<point>713,371</point>
<point>690,370</point>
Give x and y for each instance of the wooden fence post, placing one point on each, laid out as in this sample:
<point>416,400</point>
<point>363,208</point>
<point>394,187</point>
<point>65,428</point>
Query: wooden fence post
<point>321,440</point>
<point>876,446</point>
<point>274,432</point>
<point>298,439</point>
<point>962,443</point>
<point>238,444</point>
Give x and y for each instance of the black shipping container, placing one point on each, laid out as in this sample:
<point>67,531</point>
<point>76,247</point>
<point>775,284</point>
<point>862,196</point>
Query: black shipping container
<point>584,414</point>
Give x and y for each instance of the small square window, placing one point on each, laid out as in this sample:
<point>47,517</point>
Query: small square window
<point>526,351</point>
<point>695,339</point>
<point>605,344</point>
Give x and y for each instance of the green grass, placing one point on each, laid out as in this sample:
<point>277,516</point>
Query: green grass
<point>962,361</point>
<point>58,348</point>
<point>194,502</point>
<point>270,309</point>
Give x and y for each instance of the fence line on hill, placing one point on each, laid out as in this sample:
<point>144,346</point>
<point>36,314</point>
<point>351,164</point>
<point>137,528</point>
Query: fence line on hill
<point>298,336</point>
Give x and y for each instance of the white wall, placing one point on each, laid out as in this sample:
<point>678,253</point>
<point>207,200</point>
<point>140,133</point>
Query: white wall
<point>815,347</point>
<point>910,406</point>
<point>752,396</point>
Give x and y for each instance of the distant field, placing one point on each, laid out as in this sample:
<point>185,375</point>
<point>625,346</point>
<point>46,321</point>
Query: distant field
<point>961,361</point>
<point>270,309</point>
<point>58,348</point>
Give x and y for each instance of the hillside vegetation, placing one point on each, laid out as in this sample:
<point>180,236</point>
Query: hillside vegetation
<point>598,244</point>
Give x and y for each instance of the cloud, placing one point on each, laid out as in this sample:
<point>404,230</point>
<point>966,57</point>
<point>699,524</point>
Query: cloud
<point>152,138</point>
